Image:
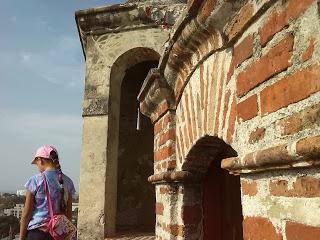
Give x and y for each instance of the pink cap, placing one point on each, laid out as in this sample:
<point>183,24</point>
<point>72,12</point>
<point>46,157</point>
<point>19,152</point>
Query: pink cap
<point>44,152</point>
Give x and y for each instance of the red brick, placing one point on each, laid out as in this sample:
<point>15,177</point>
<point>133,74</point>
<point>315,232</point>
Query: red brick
<point>279,19</point>
<point>159,208</point>
<point>308,118</point>
<point>190,132</point>
<point>258,228</point>
<point>170,134</point>
<point>225,109</point>
<point>257,135</point>
<point>309,147</point>
<point>307,54</point>
<point>175,230</point>
<point>167,119</point>
<point>218,104</point>
<point>236,25</point>
<point>161,108</point>
<point>248,108</point>
<point>232,120</point>
<point>249,187</point>
<point>157,127</point>
<point>298,231</point>
<point>303,187</point>
<point>192,99</point>
<point>163,153</point>
<point>275,61</point>
<point>191,214</point>
<point>164,190</point>
<point>290,89</point>
<point>241,52</point>
<point>206,10</point>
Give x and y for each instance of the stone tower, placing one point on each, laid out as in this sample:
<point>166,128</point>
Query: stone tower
<point>232,90</point>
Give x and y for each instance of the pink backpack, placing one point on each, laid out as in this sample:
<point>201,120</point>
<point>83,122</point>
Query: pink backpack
<point>59,226</point>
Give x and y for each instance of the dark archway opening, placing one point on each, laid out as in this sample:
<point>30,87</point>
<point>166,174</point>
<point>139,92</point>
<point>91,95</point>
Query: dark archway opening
<point>136,197</point>
<point>222,209</point>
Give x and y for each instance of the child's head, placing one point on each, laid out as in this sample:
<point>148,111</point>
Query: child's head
<point>46,157</point>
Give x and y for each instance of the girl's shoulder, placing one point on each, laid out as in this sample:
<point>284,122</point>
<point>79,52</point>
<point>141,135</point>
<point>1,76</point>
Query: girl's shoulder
<point>34,182</point>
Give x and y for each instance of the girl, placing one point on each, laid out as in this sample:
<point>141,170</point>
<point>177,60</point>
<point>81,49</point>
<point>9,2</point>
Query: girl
<point>35,213</point>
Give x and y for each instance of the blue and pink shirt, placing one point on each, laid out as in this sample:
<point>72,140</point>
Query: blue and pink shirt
<point>35,185</point>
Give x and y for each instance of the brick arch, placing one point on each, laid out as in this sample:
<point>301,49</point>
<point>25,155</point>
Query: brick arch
<point>206,150</point>
<point>207,106</point>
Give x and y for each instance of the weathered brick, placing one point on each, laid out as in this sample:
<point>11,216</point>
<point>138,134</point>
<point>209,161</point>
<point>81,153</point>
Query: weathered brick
<point>289,125</point>
<point>249,187</point>
<point>167,119</point>
<point>248,108</point>
<point>189,123</point>
<point>258,228</point>
<point>290,89</point>
<point>232,120</point>
<point>309,147</point>
<point>307,54</point>
<point>163,190</point>
<point>163,153</point>
<point>225,109</point>
<point>159,208</point>
<point>157,127</point>
<point>275,61</point>
<point>257,135</point>
<point>237,24</point>
<point>305,119</point>
<point>303,187</point>
<point>175,229</point>
<point>277,20</point>
<point>170,134</point>
<point>172,164</point>
<point>298,231</point>
<point>206,10</point>
<point>191,214</point>
<point>241,52</point>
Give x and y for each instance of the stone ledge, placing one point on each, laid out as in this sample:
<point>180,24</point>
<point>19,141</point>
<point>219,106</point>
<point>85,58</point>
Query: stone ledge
<point>304,153</point>
<point>175,177</point>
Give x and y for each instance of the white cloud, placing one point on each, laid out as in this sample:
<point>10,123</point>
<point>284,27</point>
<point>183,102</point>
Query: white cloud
<point>59,64</point>
<point>25,56</point>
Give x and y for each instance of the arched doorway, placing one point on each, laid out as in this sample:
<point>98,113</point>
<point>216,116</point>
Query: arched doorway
<point>135,197</point>
<point>222,211</point>
<point>221,194</point>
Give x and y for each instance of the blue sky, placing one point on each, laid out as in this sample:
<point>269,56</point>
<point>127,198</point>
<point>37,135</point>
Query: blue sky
<point>41,91</point>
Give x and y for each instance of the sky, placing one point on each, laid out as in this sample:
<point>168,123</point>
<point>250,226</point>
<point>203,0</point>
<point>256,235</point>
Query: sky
<point>42,82</point>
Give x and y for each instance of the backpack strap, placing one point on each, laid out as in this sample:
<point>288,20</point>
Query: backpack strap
<point>46,189</point>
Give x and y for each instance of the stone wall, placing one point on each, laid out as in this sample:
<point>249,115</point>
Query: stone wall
<point>246,74</point>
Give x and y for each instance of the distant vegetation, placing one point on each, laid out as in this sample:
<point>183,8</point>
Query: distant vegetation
<point>8,200</point>
<point>6,222</point>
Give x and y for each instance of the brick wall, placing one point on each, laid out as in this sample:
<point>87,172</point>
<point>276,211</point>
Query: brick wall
<point>257,89</point>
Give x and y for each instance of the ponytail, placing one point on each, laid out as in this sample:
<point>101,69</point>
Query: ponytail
<point>55,159</point>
